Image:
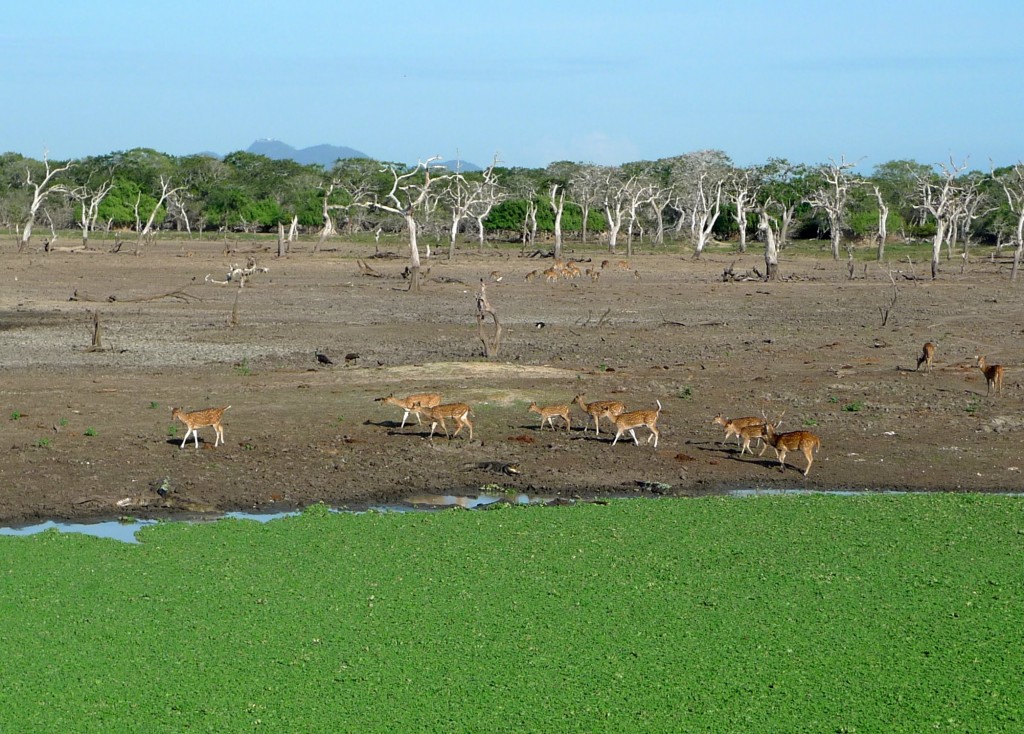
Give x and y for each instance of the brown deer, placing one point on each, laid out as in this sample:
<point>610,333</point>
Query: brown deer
<point>927,354</point>
<point>749,433</point>
<point>412,404</point>
<point>531,275</point>
<point>993,374</point>
<point>783,443</point>
<point>637,419</point>
<point>459,412</point>
<point>201,419</point>
<point>599,409</point>
<point>548,413</point>
<point>733,426</point>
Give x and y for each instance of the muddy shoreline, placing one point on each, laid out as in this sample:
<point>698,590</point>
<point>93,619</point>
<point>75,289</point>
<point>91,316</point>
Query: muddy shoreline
<point>83,429</point>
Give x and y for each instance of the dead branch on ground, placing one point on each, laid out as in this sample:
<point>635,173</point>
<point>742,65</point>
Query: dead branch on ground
<point>178,293</point>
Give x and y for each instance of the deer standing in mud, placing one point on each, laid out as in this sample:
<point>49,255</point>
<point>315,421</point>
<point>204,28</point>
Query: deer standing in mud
<point>412,404</point>
<point>927,355</point>
<point>803,441</point>
<point>549,412</point>
<point>201,419</point>
<point>599,409</point>
<point>459,412</point>
<point>638,419</point>
<point>993,375</point>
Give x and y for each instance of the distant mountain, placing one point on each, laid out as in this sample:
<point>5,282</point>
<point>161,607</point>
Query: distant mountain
<point>462,166</point>
<point>324,155</point>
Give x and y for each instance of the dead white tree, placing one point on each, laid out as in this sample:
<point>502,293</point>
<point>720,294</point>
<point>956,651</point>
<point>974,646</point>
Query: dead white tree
<point>89,201</point>
<point>327,214</point>
<point>556,200</point>
<point>1012,183</point>
<point>883,220</point>
<point>743,190</point>
<point>638,195</point>
<point>409,193</point>
<point>469,199</point>
<point>707,207</point>
<point>616,196</point>
<point>698,180</point>
<point>491,194</point>
<point>769,230</point>
<point>166,191</point>
<point>41,190</point>
<point>831,198</point>
<point>585,190</point>
<point>940,197</point>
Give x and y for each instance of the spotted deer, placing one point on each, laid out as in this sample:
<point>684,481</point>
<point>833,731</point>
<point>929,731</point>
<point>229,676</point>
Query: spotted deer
<point>459,412</point>
<point>993,375</point>
<point>638,419</point>
<point>803,441</point>
<point>412,404</point>
<point>927,354</point>
<point>734,425</point>
<point>599,409</point>
<point>548,414</point>
<point>201,419</point>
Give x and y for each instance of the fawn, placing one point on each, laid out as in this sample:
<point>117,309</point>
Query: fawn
<point>413,403</point>
<point>531,275</point>
<point>549,412</point>
<point>733,426</point>
<point>927,354</point>
<point>201,419</point>
<point>993,374</point>
<point>783,443</point>
<point>459,412</point>
<point>749,433</point>
<point>599,409</point>
<point>637,419</point>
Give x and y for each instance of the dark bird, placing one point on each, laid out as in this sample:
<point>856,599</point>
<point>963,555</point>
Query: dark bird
<point>323,358</point>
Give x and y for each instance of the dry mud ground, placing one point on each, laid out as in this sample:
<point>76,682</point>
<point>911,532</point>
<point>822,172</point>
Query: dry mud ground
<point>82,430</point>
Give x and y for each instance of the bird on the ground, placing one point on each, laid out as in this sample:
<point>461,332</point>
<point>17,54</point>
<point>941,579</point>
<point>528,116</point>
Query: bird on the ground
<point>323,358</point>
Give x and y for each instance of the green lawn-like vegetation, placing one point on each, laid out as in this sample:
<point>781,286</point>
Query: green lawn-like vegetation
<point>885,613</point>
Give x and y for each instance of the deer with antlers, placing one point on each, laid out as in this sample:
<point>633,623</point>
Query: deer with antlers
<point>803,441</point>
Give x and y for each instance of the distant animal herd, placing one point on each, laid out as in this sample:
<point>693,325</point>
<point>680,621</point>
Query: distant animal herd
<point>430,406</point>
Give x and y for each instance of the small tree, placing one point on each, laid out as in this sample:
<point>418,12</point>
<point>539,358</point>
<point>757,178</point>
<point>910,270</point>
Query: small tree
<point>831,198</point>
<point>940,197</point>
<point>41,190</point>
<point>1012,182</point>
<point>89,201</point>
<point>409,193</point>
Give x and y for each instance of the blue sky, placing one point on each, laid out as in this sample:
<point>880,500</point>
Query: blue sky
<point>533,82</point>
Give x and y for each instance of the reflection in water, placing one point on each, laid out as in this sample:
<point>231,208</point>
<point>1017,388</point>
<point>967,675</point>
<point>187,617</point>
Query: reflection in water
<point>124,530</point>
<point>117,530</point>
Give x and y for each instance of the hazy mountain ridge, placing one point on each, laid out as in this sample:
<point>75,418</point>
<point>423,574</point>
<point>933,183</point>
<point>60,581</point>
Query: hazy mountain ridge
<point>325,154</point>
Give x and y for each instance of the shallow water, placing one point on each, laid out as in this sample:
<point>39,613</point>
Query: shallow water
<point>125,530</point>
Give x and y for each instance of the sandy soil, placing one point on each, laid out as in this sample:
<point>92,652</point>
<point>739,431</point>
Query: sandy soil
<point>86,430</point>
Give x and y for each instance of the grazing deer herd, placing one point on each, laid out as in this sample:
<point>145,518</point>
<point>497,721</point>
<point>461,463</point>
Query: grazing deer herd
<point>746,429</point>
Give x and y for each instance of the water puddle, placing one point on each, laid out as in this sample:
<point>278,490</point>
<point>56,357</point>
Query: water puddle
<point>125,529</point>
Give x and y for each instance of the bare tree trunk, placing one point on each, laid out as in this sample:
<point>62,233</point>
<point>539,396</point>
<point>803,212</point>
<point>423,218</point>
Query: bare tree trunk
<point>940,236</point>
<point>280,239</point>
<point>414,254</point>
<point>483,308</point>
<point>771,249</point>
